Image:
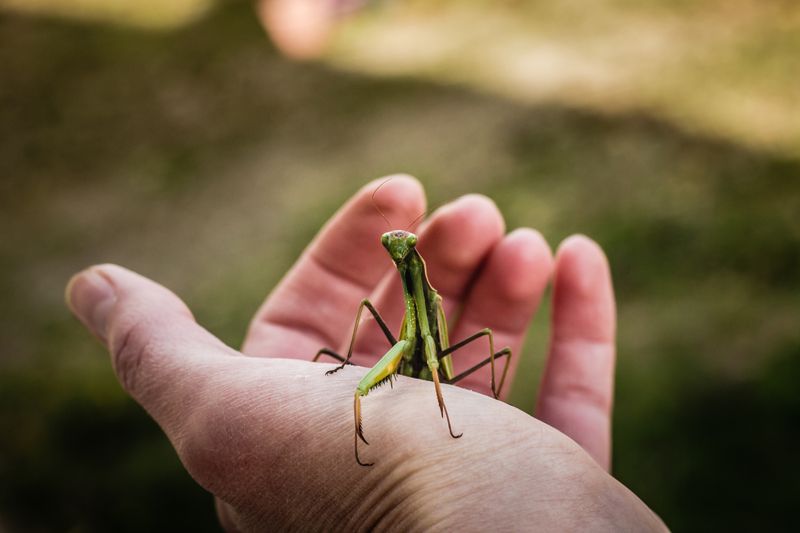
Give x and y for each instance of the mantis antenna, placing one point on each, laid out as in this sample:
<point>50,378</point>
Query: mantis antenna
<point>375,204</point>
<point>417,219</point>
<point>383,215</point>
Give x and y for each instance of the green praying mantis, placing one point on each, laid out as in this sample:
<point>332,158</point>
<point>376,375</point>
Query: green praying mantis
<point>422,349</point>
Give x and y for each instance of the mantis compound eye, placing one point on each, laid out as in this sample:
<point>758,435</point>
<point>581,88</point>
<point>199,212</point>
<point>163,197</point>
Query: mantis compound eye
<point>411,240</point>
<point>385,239</point>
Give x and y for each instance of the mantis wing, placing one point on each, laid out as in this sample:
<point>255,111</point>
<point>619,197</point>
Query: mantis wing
<point>444,338</point>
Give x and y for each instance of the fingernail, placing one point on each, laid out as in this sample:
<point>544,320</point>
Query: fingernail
<point>91,297</point>
<point>584,263</point>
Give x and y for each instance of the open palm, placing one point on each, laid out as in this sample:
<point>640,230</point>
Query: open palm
<point>270,436</point>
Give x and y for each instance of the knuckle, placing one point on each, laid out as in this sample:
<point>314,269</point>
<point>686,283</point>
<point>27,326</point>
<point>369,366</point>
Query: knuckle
<point>130,352</point>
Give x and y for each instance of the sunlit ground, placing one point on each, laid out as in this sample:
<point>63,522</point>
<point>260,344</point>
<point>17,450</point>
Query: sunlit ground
<point>720,67</point>
<point>199,157</point>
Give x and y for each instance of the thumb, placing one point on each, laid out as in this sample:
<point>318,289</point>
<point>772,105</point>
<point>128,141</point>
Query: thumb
<point>160,355</point>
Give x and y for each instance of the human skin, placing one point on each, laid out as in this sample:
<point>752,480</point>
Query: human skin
<point>271,436</point>
<point>301,29</point>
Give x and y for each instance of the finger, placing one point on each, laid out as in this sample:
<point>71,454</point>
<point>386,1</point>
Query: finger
<point>226,515</point>
<point>454,243</point>
<point>315,303</point>
<point>504,299</point>
<point>298,28</point>
<point>156,346</point>
<point>577,386</point>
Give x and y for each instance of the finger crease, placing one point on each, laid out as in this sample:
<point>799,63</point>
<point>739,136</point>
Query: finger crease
<point>302,327</point>
<point>127,362</point>
<point>576,391</point>
<point>583,342</point>
<point>356,281</point>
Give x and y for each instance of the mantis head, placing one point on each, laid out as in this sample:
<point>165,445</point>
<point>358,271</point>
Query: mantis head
<point>398,243</point>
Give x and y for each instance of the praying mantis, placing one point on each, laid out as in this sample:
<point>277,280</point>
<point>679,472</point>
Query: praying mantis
<point>422,349</point>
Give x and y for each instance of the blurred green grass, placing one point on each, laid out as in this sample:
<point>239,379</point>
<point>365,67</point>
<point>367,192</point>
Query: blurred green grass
<point>202,159</point>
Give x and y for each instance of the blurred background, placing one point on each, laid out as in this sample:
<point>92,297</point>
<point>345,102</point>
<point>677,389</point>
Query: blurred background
<point>172,137</point>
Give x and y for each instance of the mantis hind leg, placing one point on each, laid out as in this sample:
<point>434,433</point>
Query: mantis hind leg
<point>346,360</point>
<point>505,352</point>
<point>496,388</point>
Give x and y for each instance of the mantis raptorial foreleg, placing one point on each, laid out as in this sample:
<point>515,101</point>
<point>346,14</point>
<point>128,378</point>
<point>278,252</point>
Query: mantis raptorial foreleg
<point>346,360</point>
<point>490,360</point>
<point>384,370</point>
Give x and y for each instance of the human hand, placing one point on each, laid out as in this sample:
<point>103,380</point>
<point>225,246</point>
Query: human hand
<point>272,438</point>
<point>301,28</point>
